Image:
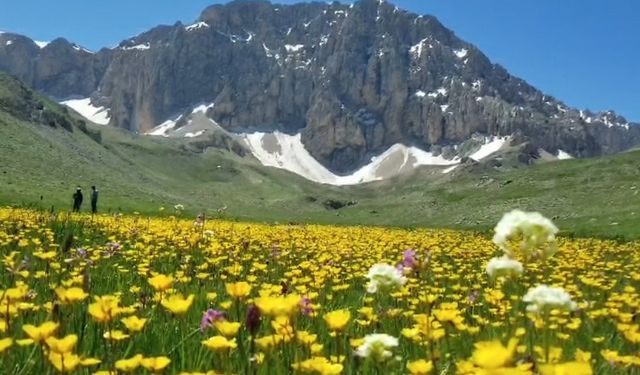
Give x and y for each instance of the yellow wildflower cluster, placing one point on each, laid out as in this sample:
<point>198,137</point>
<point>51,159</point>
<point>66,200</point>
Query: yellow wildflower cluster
<point>118,295</point>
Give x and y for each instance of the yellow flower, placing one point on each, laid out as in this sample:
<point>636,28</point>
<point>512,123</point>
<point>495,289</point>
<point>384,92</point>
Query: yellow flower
<point>306,338</point>
<point>267,342</point>
<point>212,296</point>
<point>318,365</point>
<point>130,364</point>
<point>420,367</point>
<point>71,295</point>
<point>493,355</point>
<point>282,326</point>
<point>337,320</point>
<point>105,308</point>
<point>161,282</point>
<point>582,356</point>
<point>90,361</point>
<point>219,343</point>
<point>227,329</point>
<point>569,368</point>
<point>5,344</point>
<point>238,290</point>
<point>64,362</point>
<point>278,306</point>
<point>133,323</point>
<point>177,304</point>
<point>62,346</point>
<point>115,335</point>
<point>555,354</point>
<point>155,364</point>
<point>40,333</point>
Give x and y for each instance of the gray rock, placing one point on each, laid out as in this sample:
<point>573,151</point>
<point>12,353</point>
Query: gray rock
<point>353,80</point>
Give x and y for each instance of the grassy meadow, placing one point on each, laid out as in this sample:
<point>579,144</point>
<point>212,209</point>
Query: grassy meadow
<point>175,294</point>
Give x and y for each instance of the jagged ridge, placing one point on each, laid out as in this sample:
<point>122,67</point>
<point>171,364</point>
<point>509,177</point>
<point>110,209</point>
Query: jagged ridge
<point>353,80</point>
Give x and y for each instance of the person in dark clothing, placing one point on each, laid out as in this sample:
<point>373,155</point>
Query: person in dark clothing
<point>77,200</point>
<point>94,200</point>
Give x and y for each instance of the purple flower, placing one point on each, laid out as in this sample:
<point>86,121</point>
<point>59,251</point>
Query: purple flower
<point>112,248</point>
<point>81,252</point>
<point>209,317</point>
<point>305,306</point>
<point>409,260</point>
<point>474,296</point>
<point>253,320</point>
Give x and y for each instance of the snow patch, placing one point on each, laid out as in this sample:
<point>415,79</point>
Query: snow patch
<point>490,147</point>
<point>461,53</point>
<point>416,50</point>
<point>202,108</point>
<point>140,47</point>
<point>196,26</point>
<point>270,53</point>
<point>324,40</point>
<point>562,155</point>
<point>293,48</point>
<point>81,49</point>
<point>163,128</point>
<point>441,91</point>
<point>9,42</point>
<point>196,134</point>
<point>420,94</point>
<point>98,115</point>
<point>41,44</point>
<point>287,152</point>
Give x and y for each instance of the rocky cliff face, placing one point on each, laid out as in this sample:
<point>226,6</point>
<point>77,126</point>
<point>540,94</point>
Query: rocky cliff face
<point>353,80</point>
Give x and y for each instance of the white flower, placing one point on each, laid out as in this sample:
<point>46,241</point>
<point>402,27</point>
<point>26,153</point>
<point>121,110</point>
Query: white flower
<point>544,298</point>
<point>536,233</point>
<point>179,207</point>
<point>376,346</point>
<point>384,277</point>
<point>503,266</point>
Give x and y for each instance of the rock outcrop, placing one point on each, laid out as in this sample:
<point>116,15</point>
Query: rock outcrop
<point>353,79</point>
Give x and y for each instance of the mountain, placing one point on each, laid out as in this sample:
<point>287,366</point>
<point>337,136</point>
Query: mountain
<point>352,81</point>
<point>46,151</point>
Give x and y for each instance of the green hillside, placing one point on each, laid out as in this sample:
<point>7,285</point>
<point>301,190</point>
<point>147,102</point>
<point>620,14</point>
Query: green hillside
<point>45,151</point>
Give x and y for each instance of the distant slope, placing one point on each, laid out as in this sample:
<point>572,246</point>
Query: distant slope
<point>598,196</point>
<point>133,173</point>
<point>41,158</point>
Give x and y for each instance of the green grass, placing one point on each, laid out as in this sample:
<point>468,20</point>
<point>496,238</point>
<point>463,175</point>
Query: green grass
<point>594,197</point>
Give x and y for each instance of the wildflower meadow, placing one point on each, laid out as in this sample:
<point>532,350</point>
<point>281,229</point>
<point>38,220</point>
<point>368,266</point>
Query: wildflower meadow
<point>112,294</point>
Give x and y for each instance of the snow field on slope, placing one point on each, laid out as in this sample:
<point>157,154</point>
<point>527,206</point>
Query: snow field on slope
<point>98,115</point>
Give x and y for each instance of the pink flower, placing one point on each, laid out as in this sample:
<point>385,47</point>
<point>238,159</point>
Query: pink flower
<point>210,316</point>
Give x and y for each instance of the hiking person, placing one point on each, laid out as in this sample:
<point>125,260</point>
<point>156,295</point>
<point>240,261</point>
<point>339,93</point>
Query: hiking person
<point>94,200</point>
<point>77,200</point>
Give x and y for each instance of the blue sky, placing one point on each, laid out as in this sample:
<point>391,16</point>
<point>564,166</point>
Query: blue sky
<point>585,52</point>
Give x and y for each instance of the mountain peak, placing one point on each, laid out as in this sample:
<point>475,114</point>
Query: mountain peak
<point>350,80</point>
